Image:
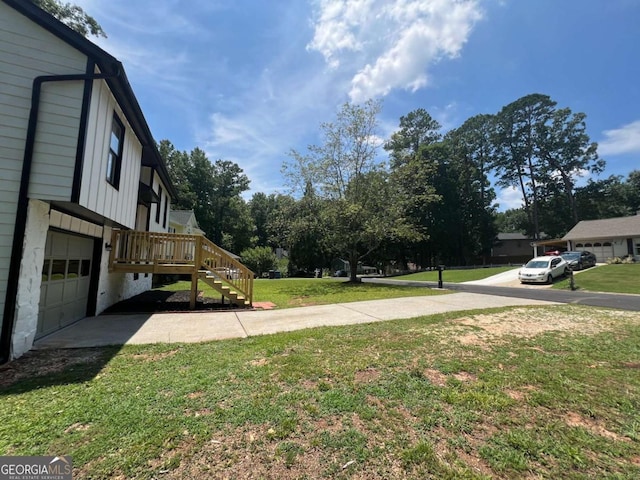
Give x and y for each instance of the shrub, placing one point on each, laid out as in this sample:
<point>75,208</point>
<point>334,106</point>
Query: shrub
<point>259,259</point>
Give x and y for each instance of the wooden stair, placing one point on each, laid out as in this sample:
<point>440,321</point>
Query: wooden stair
<point>169,253</point>
<point>216,282</point>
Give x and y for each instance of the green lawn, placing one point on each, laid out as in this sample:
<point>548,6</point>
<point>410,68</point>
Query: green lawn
<point>296,292</point>
<point>621,278</point>
<point>456,276</point>
<point>547,392</point>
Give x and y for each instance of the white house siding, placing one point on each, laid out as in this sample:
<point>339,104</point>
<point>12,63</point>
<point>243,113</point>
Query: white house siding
<point>28,298</point>
<point>26,51</point>
<point>56,142</point>
<point>96,193</point>
<point>114,287</point>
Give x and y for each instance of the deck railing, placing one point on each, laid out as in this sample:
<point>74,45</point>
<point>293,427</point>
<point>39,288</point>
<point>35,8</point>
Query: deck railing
<point>161,252</point>
<point>222,265</point>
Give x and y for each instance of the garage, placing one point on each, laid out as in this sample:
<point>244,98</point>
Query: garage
<point>66,275</point>
<point>602,250</point>
<point>607,238</point>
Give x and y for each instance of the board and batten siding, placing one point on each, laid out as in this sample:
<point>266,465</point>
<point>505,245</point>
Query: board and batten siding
<point>56,142</point>
<point>96,193</point>
<point>26,51</point>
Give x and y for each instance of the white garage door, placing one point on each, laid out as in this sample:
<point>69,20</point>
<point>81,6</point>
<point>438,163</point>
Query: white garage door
<point>66,274</point>
<point>602,250</point>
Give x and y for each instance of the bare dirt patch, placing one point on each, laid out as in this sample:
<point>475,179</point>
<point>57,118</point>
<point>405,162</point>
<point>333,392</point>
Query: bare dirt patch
<point>366,376</point>
<point>154,357</point>
<point>465,377</point>
<point>530,322</point>
<point>436,377</point>
<point>576,420</point>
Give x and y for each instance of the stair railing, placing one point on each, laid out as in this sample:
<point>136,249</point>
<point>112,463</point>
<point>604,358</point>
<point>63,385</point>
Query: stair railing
<point>226,268</point>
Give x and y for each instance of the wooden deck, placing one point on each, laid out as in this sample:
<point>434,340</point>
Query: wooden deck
<point>169,253</point>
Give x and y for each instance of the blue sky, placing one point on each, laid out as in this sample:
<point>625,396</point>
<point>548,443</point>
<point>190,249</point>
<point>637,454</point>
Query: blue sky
<point>248,80</point>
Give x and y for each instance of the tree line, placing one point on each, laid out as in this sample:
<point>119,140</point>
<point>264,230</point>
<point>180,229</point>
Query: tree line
<point>421,196</point>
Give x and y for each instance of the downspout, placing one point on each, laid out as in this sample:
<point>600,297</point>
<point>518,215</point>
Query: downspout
<point>8,318</point>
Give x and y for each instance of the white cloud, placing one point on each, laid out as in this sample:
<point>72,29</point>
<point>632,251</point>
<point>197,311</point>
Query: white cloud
<point>625,139</point>
<point>391,45</point>
<point>509,198</point>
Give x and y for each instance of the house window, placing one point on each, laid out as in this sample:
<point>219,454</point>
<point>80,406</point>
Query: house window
<point>164,216</point>
<point>159,204</point>
<point>114,161</point>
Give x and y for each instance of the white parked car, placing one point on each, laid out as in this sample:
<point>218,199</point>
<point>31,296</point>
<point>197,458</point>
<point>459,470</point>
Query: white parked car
<point>543,269</point>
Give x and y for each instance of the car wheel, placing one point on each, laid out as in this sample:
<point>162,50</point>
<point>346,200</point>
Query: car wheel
<point>580,266</point>
<point>549,279</point>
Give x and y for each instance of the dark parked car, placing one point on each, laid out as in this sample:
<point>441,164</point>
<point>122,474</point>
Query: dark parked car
<point>579,260</point>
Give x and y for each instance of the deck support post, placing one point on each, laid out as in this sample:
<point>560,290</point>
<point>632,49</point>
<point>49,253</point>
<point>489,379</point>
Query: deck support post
<point>197,262</point>
<point>194,291</point>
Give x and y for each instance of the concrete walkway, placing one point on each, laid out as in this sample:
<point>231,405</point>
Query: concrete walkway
<point>194,327</point>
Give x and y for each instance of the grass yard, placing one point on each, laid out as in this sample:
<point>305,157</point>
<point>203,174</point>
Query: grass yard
<point>621,278</point>
<point>456,276</point>
<point>298,292</point>
<point>546,392</point>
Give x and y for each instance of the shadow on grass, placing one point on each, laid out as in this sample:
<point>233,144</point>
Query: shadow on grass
<point>45,368</point>
<point>59,365</point>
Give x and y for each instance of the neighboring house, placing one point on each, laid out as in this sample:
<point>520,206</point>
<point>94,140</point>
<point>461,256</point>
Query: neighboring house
<point>77,160</point>
<point>184,221</point>
<point>519,248</point>
<point>607,238</point>
<point>512,245</point>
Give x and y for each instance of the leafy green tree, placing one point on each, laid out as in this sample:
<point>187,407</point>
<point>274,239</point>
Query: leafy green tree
<point>633,181</point>
<point>358,208</point>
<point>180,171</point>
<point>279,224</point>
<point>540,150</point>
<point>213,191</point>
<point>412,175</point>
<point>73,16</point>
<point>307,242</point>
<point>238,233</point>
<point>472,150</point>
<point>417,129</point>
<point>259,259</point>
<point>229,213</point>
<point>514,220</point>
<point>607,198</point>
<point>261,207</point>
<point>515,140</point>
<point>565,150</point>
